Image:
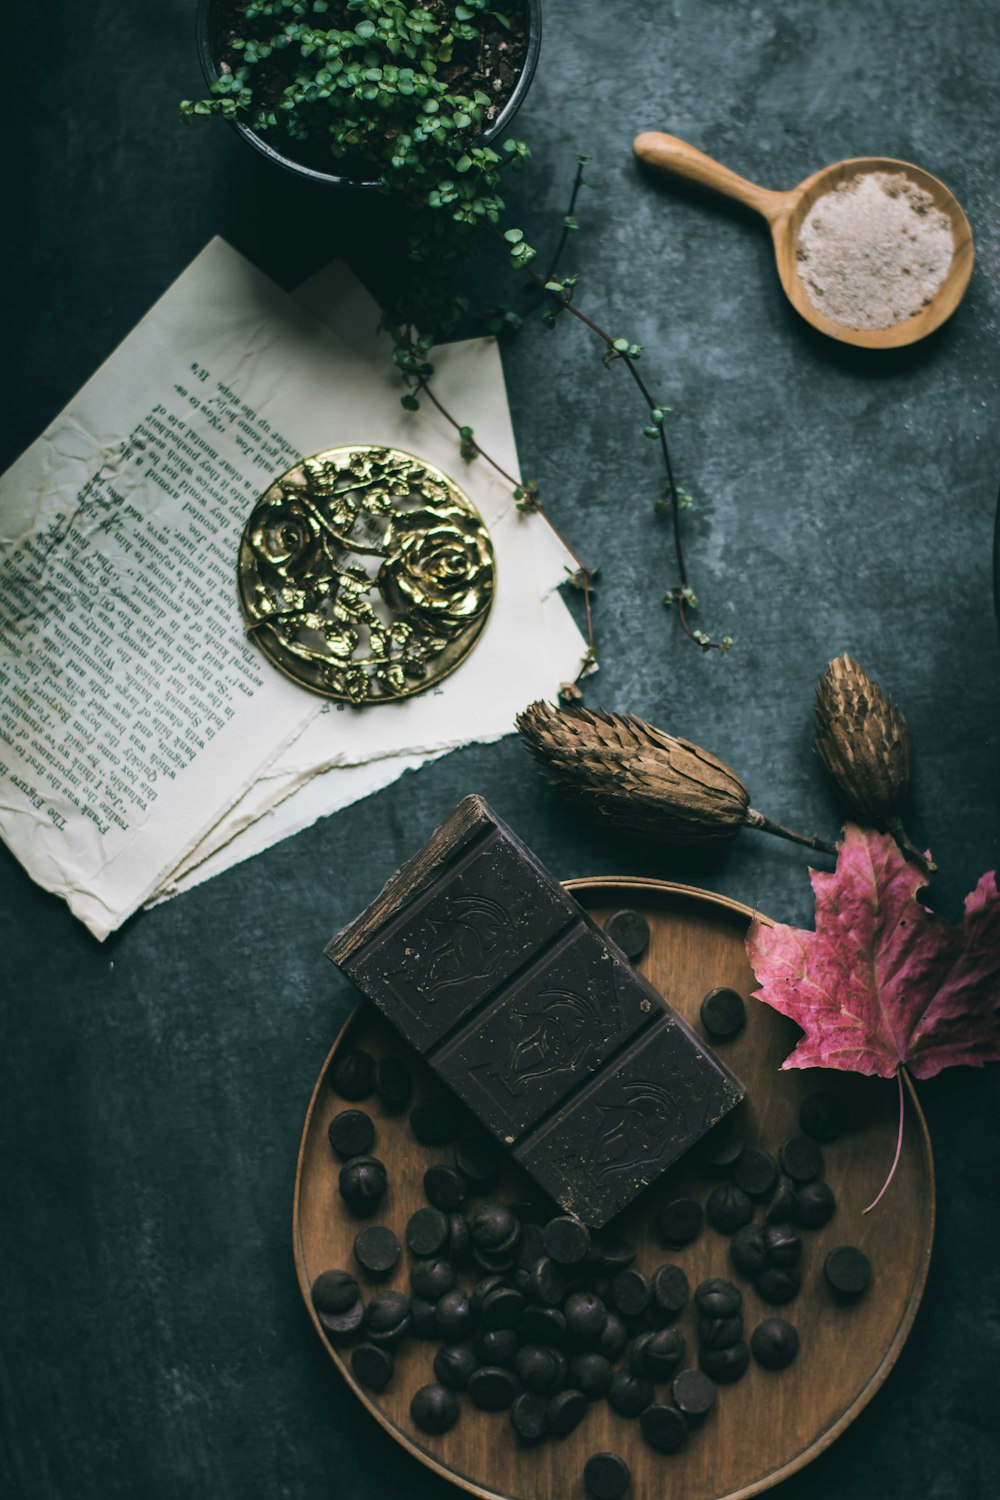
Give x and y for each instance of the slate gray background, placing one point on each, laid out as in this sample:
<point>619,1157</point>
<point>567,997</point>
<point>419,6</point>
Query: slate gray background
<point>152,1340</point>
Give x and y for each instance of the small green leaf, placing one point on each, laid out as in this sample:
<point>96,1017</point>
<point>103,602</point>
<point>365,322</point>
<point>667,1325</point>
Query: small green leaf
<point>514,236</point>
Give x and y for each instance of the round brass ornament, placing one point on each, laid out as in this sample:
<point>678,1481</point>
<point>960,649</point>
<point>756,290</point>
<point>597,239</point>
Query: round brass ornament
<point>365,574</point>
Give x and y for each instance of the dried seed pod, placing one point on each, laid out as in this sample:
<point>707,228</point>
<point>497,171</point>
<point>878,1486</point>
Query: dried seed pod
<point>644,780</point>
<point>864,743</point>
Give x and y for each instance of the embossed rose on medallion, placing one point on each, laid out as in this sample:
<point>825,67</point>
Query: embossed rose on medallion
<point>285,535</point>
<point>439,567</point>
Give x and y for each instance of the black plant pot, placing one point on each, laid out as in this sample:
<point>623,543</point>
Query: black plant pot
<point>499,127</point>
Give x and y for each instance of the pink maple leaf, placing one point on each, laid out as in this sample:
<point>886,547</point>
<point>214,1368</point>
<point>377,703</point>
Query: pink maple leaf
<point>883,981</point>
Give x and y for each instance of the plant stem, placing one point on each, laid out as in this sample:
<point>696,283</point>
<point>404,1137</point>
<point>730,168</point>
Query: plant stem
<point>895,827</point>
<point>755,819</point>
<point>566,231</point>
<point>899,1145</point>
<point>564,300</point>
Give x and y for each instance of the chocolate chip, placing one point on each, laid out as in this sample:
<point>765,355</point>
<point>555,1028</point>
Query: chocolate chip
<point>679,1222</point>
<point>374,1367</point>
<point>529,1416</point>
<point>801,1158</point>
<point>492,1226</point>
<point>782,1206</point>
<point>823,1116</point>
<point>351,1133</point>
<point>774,1343</point>
<point>664,1428</point>
<point>585,1317</point>
<point>427,1232</point>
<point>436,1121</point>
<point>756,1173</point>
<point>495,1346</point>
<point>432,1278</point>
<point>630,931</point>
<point>393,1083</point>
<point>543,1325</point>
<point>814,1204</point>
<point>342,1325</point>
<point>723,1014</point>
<point>614,1338</point>
<point>616,1257</point>
<point>376,1249</point>
<point>724,1366</point>
<point>538,1367</point>
<point>630,1293</point>
<point>566,1240</point>
<point>630,1394</point>
<point>747,1250</point>
<point>423,1318</point>
<point>453,1313</point>
<point>693,1394</point>
<point>721,1149</point>
<point>334,1292</point>
<point>778,1284</point>
<point>784,1248</point>
<point>669,1290</point>
<point>502,1308</point>
<point>481,1291</point>
<point>663,1352</point>
<point>606,1476</point>
<point>478,1160</point>
<point>459,1240</point>
<point>718,1298</point>
<point>352,1073</point>
<point>548,1282</point>
<point>591,1373</point>
<point>493,1260</point>
<point>453,1364</point>
<point>492,1388</point>
<point>637,1352</point>
<point>434,1408</point>
<point>848,1272</point>
<point>728,1208</point>
<point>387,1317</point>
<point>444,1188</point>
<point>566,1411</point>
<point>362,1184</point>
<point>720,1333</point>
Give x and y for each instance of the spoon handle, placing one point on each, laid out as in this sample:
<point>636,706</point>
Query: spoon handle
<point>670,154</point>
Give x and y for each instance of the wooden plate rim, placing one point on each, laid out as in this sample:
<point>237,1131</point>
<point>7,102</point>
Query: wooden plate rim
<point>797,1461</point>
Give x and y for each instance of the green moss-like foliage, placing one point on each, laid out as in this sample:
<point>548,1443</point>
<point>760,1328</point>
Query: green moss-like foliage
<point>370,87</point>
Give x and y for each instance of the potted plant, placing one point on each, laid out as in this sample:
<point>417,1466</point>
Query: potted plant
<point>375,93</point>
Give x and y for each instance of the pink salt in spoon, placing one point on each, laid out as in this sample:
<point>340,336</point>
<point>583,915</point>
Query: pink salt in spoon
<point>785,211</point>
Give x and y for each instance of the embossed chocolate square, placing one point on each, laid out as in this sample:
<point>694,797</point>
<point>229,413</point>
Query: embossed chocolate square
<point>533,1017</point>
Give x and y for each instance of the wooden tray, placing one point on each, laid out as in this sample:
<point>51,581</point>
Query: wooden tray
<point>769,1424</point>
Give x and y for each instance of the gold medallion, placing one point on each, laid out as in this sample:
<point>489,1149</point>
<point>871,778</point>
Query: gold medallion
<point>365,574</point>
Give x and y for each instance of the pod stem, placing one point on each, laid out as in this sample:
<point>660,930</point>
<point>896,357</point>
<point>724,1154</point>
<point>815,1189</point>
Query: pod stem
<point>754,819</point>
<point>895,827</point>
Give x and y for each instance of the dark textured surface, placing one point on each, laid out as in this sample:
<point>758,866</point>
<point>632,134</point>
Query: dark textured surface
<point>152,1341</point>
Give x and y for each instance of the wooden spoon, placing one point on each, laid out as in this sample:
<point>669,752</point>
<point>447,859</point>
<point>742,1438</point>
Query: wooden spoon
<point>784,213</point>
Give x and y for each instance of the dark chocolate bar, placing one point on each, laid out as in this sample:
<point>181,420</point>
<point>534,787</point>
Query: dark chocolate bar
<point>533,1017</point>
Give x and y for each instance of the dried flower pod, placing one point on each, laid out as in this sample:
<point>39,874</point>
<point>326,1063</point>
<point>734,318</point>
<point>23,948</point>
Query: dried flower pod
<point>644,780</point>
<point>864,743</point>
